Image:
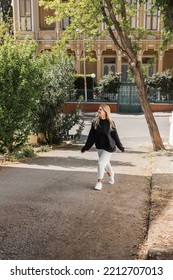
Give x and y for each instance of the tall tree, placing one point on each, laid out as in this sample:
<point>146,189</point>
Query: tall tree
<point>87,16</point>
<point>166,7</point>
<point>6,9</point>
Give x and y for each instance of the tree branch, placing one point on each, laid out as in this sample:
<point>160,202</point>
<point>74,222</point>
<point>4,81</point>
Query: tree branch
<point>126,44</point>
<point>123,10</point>
<point>110,30</point>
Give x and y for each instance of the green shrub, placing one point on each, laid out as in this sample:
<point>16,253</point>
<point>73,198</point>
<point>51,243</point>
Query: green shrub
<point>162,82</point>
<point>24,152</point>
<point>28,151</point>
<point>20,85</point>
<point>59,74</point>
<point>109,84</point>
<point>44,148</point>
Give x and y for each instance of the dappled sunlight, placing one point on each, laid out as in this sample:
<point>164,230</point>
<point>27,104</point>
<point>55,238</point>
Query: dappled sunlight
<point>52,167</point>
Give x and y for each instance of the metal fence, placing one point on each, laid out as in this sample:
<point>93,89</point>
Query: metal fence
<point>126,96</point>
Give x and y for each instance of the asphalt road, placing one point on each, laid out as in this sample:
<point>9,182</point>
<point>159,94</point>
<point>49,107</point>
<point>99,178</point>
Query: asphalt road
<point>133,129</point>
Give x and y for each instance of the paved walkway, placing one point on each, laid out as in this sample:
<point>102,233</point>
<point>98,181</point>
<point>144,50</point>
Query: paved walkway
<point>49,209</point>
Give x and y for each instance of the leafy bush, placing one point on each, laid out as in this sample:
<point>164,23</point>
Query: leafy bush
<point>67,122</point>
<point>44,148</point>
<point>28,151</point>
<point>109,84</point>
<point>24,152</point>
<point>20,83</point>
<point>162,82</point>
<point>58,70</point>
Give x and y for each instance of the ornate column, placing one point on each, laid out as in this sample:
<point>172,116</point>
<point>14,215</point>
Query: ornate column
<point>119,63</point>
<point>140,55</point>
<point>99,64</point>
<point>78,57</point>
<point>35,22</point>
<point>16,16</point>
<point>58,29</point>
<point>160,62</point>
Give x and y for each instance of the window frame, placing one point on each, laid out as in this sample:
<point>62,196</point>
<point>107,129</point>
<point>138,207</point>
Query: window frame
<point>26,18</point>
<point>150,65</point>
<point>151,18</point>
<point>42,22</point>
<point>108,65</point>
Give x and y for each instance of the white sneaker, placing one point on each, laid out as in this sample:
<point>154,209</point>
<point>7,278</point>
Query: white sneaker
<point>98,186</point>
<point>111,179</point>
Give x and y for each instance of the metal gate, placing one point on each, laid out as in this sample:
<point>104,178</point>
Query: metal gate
<point>128,99</point>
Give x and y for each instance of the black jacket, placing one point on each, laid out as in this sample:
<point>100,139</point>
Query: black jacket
<point>103,137</point>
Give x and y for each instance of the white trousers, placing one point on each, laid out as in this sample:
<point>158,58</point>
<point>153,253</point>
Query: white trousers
<point>104,163</point>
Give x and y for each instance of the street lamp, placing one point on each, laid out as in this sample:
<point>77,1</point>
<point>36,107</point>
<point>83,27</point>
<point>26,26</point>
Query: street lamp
<point>84,68</point>
<point>84,64</point>
<point>93,75</point>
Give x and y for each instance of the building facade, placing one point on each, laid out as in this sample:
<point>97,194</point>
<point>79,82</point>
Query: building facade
<point>29,19</point>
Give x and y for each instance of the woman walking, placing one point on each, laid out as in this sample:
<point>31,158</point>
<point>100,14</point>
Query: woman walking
<point>104,135</point>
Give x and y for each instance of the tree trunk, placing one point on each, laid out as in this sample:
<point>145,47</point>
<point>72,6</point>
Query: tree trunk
<point>152,125</point>
<point>126,46</point>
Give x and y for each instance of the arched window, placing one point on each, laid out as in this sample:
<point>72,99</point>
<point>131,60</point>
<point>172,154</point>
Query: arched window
<point>150,65</point>
<point>109,65</point>
<point>105,70</point>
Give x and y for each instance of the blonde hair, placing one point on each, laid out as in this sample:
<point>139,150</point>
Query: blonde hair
<point>107,110</point>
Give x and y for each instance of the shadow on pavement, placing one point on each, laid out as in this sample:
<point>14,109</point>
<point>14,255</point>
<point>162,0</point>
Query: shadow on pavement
<point>69,162</point>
